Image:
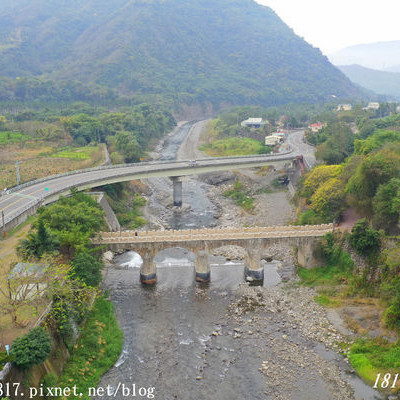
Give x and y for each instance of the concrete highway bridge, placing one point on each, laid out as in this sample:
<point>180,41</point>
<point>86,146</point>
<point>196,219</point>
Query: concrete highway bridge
<point>201,241</point>
<point>19,202</point>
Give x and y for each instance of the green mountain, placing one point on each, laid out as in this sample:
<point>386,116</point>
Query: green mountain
<point>219,51</point>
<point>380,82</point>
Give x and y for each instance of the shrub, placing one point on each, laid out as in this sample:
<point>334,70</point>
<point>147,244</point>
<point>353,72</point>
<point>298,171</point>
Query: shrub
<point>87,268</point>
<point>309,217</point>
<point>49,381</point>
<point>32,348</point>
<point>364,239</point>
<point>97,350</point>
<point>392,315</point>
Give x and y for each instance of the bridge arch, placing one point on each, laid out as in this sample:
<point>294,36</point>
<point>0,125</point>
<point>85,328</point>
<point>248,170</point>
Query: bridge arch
<point>257,241</point>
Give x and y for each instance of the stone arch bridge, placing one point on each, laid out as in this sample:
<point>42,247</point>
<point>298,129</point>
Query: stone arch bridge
<point>201,241</point>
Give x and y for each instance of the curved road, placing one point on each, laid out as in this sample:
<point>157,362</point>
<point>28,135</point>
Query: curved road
<point>45,191</point>
<point>296,141</point>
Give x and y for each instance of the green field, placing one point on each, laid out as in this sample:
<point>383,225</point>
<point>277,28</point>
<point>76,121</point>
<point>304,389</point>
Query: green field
<point>78,153</point>
<point>373,356</point>
<point>235,146</point>
<point>13,137</point>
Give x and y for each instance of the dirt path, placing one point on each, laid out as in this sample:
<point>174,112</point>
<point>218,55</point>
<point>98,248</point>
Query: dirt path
<point>8,246</point>
<point>189,149</point>
<point>8,254</point>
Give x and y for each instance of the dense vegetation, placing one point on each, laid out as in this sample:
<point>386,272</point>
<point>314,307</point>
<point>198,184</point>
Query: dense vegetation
<point>61,237</point>
<point>361,171</point>
<point>64,226</point>
<point>74,137</point>
<point>225,135</point>
<point>60,240</point>
<point>126,201</point>
<point>187,52</point>
<point>32,348</point>
<point>97,350</point>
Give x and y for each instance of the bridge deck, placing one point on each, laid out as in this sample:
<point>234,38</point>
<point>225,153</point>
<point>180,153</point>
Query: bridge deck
<point>214,234</point>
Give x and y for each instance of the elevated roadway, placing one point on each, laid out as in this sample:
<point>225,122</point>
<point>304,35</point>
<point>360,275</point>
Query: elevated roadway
<point>19,202</point>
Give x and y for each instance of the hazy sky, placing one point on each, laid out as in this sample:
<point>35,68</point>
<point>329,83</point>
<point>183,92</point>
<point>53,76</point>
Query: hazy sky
<point>334,24</point>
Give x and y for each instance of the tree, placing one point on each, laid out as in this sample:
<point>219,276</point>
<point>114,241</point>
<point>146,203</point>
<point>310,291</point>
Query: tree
<point>386,205</point>
<point>26,289</point>
<point>38,243</point>
<point>318,176</point>
<point>376,141</point>
<point>364,239</point>
<point>32,348</point>
<point>328,199</point>
<point>374,170</point>
<point>128,145</point>
<point>3,122</point>
<point>392,313</point>
<point>73,220</point>
<point>338,146</point>
<point>87,268</point>
<point>69,305</point>
<point>83,128</point>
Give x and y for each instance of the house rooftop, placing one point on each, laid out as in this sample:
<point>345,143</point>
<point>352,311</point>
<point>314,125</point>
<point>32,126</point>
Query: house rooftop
<point>28,269</point>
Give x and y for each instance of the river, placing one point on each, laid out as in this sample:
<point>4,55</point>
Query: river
<point>192,342</point>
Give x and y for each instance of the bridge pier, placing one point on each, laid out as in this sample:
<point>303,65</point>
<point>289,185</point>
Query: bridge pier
<point>202,267</point>
<point>253,272</point>
<point>148,272</point>
<point>177,188</point>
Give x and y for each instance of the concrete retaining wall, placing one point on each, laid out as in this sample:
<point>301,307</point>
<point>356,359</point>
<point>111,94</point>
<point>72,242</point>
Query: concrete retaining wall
<point>14,222</point>
<point>32,378</point>
<point>111,218</point>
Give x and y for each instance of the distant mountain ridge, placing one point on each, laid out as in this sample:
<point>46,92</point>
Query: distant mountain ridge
<point>220,51</point>
<point>384,56</point>
<point>381,82</point>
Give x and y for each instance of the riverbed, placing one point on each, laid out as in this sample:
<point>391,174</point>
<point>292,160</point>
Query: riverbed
<point>224,340</point>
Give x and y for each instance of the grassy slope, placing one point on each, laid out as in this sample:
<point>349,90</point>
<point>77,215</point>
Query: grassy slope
<point>96,351</point>
<point>39,160</point>
<point>333,283</point>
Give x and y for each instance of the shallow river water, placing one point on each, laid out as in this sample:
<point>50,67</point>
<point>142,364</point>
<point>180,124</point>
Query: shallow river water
<point>180,339</point>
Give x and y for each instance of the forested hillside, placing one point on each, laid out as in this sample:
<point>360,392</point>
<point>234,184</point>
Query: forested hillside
<point>220,51</point>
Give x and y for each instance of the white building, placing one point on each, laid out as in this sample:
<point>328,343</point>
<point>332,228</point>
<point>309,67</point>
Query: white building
<point>344,107</point>
<point>316,127</point>
<point>253,123</point>
<point>28,280</point>
<point>372,106</point>
<point>280,134</point>
<point>273,140</point>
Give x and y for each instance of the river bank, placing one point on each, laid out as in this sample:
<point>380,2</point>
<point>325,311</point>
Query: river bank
<point>203,200</point>
<point>225,340</point>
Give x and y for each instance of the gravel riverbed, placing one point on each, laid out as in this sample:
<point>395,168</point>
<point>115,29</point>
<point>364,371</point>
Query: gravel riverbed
<point>293,343</point>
